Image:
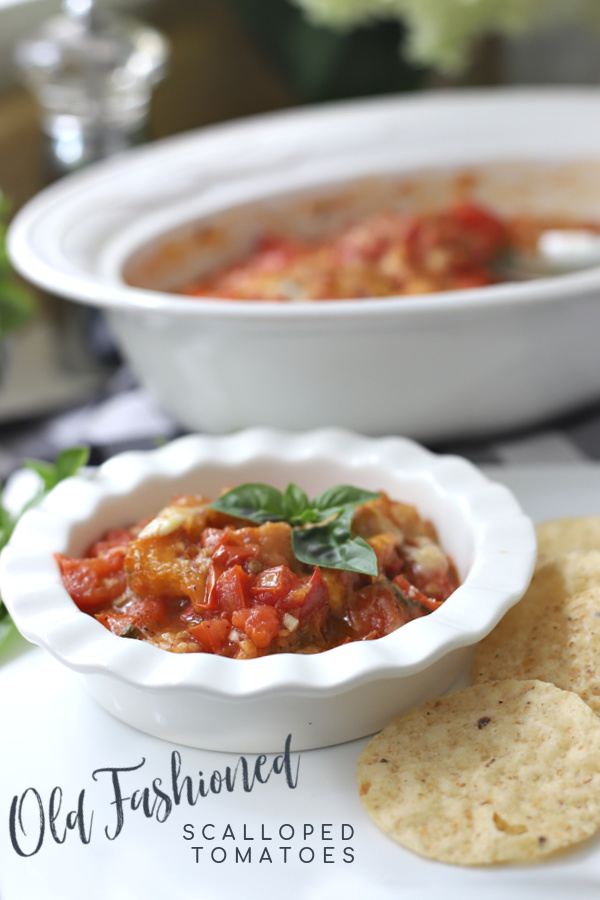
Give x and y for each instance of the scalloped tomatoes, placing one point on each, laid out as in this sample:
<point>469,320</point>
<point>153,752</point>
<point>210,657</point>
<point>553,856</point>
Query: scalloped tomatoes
<point>193,579</point>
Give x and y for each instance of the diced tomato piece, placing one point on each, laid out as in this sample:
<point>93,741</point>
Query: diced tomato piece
<point>260,623</point>
<point>375,612</point>
<point>93,582</point>
<point>231,589</point>
<point>273,585</point>
<point>116,537</point>
<point>148,612</point>
<point>230,553</point>
<point>414,595</point>
<point>227,550</point>
<point>117,623</point>
<point>207,599</point>
<point>488,233</point>
<point>212,634</point>
<point>211,538</point>
<point>142,614</point>
<point>187,614</point>
<point>429,588</point>
<point>311,595</point>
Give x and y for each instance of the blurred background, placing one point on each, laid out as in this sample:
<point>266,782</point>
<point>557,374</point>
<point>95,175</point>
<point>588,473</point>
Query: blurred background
<point>232,58</point>
<point>222,60</point>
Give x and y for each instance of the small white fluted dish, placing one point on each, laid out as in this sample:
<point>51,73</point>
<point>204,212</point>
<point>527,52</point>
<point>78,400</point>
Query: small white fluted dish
<point>341,694</point>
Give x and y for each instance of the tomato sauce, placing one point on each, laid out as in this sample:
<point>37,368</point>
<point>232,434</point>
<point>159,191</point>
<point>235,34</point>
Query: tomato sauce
<point>384,254</point>
<point>194,579</point>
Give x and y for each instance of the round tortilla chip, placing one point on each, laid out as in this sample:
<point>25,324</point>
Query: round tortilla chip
<point>483,775</point>
<point>558,536</point>
<point>553,633</point>
<point>560,646</point>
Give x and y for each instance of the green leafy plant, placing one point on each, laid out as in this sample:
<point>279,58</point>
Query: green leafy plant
<point>66,464</point>
<point>313,63</point>
<point>441,33</point>
<point>17,303</point>
<point>321,528</point>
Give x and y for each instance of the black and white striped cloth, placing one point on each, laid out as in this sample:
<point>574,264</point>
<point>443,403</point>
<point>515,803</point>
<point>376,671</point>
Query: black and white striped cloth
<point>125,417</point>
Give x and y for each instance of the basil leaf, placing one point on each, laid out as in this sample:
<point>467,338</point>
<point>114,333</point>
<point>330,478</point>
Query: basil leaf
<point>331,545</point>
<point>337,498</point>
<point>71,461</point>
<point>255,502</point>
<point>17,302</point>
<point>298,508</point>
<point>6,623</point>
<point>6,525</point>
<point>67,463</point>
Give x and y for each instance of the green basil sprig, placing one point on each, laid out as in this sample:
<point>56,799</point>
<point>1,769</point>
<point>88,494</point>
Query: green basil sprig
<point>66,464</point>
<point>321,527</point>
<point>17,302</point>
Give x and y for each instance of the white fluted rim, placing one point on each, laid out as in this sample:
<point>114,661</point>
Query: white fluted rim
<point>480,523</point>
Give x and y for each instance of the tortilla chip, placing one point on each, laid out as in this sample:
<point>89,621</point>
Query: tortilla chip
<point>553,633</point>
<point>485,776</point>
<point>558,536</point>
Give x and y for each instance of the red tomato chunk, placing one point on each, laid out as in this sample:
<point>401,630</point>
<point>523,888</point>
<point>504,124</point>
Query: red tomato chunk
<point>197,580</point>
